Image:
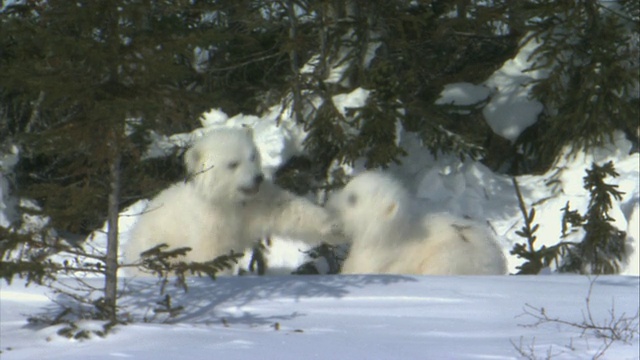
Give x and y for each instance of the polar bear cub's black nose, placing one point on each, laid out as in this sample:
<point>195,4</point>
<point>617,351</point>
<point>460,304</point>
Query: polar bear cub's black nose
<point>258,179</point>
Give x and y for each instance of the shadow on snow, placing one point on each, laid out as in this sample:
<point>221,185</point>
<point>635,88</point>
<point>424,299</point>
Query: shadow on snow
<point>209,301</point>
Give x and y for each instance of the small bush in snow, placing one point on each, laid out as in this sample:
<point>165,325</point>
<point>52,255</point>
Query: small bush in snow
<point>601,249</point>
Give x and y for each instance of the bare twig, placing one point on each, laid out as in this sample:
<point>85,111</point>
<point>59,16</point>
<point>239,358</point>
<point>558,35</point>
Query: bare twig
<point>529,351</point>
<point>615,328</point>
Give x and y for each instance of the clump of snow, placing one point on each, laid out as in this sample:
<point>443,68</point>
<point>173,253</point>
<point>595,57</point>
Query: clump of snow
<point>355,99</point>
<point>11,206</point>
<point>341,64</point>
<point>7,202</point>
<point>277,140</point>
<point>511,110</point>
<point>162,145</point>
<point>213,117</point>
<point>32,223</point>
<point>463,94</point>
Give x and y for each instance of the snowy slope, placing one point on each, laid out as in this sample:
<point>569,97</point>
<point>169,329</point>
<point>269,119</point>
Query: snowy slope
<point>339,317</point>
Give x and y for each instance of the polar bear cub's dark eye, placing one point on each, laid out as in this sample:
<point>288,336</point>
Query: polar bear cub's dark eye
<point>233,165</point>
<point>352,199</point>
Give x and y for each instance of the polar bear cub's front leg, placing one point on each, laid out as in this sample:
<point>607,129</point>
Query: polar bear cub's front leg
<point>278,212</point>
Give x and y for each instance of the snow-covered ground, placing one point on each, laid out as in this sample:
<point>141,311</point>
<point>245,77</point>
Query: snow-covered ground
<point>340,317</point>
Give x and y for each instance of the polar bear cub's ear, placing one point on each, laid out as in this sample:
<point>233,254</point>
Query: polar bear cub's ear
<point>248,130</point>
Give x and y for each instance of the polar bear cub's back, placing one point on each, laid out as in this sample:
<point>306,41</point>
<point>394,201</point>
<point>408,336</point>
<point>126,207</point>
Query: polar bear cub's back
<point>455,246</point>
<point>390,235</point>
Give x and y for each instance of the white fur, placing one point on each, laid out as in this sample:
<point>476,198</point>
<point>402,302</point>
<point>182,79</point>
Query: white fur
<point>224,205</point>
<point>391,236</point>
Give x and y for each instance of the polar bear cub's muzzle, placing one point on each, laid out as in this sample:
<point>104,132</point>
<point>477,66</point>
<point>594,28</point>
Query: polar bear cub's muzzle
<point>254,187</point>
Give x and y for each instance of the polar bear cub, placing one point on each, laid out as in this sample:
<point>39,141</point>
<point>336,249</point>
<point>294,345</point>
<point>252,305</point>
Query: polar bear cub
<point>391,236</point>
<point>225,204</point>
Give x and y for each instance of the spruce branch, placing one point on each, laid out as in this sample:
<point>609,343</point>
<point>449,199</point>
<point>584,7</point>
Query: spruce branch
<point>602,247</point>
<point>535,259</point>
<point>165,263</point>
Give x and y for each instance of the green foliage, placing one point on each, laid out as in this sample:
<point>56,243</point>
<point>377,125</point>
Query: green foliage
<point>165,307</point>
<point>587,48</point>
<point>603,245</point>
<point>333,256</point>
<point>601,249</point>
<point>28,255</point>
<point>404,54</point>
<point>165,263</point>
<point>25,256</point>
<point>84,69</point>
<point>535,259</point>
<point>68,320</point>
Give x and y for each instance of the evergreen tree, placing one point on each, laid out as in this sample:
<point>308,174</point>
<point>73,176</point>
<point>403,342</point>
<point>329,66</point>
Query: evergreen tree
<point>603,246</point>
<point>96,75</point>
<point>590,50</point>
<point>403,52</point>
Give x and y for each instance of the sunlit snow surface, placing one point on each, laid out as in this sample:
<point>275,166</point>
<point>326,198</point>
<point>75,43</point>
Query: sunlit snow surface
<point>337,317</point>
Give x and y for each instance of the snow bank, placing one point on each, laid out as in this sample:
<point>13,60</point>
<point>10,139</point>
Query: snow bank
<point>470,189</point>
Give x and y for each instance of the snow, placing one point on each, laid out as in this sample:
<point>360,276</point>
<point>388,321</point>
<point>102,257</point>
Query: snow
<point>7,203</point>
<point>338,317</point>
<point>463,94</point>
<point>355,99</point>
<point>510,109</point>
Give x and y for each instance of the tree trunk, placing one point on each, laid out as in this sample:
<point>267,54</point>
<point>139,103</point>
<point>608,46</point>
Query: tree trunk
<point>293,59</point>
<point>115,157</point>
<point>111,262</point>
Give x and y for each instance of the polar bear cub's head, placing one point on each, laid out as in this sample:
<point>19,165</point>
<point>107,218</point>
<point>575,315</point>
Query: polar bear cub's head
<point>224,165</point>
<point>371,203</point>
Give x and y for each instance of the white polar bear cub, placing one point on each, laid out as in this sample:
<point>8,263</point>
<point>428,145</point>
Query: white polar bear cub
<point>225,205</point>
<point>391,236</point>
